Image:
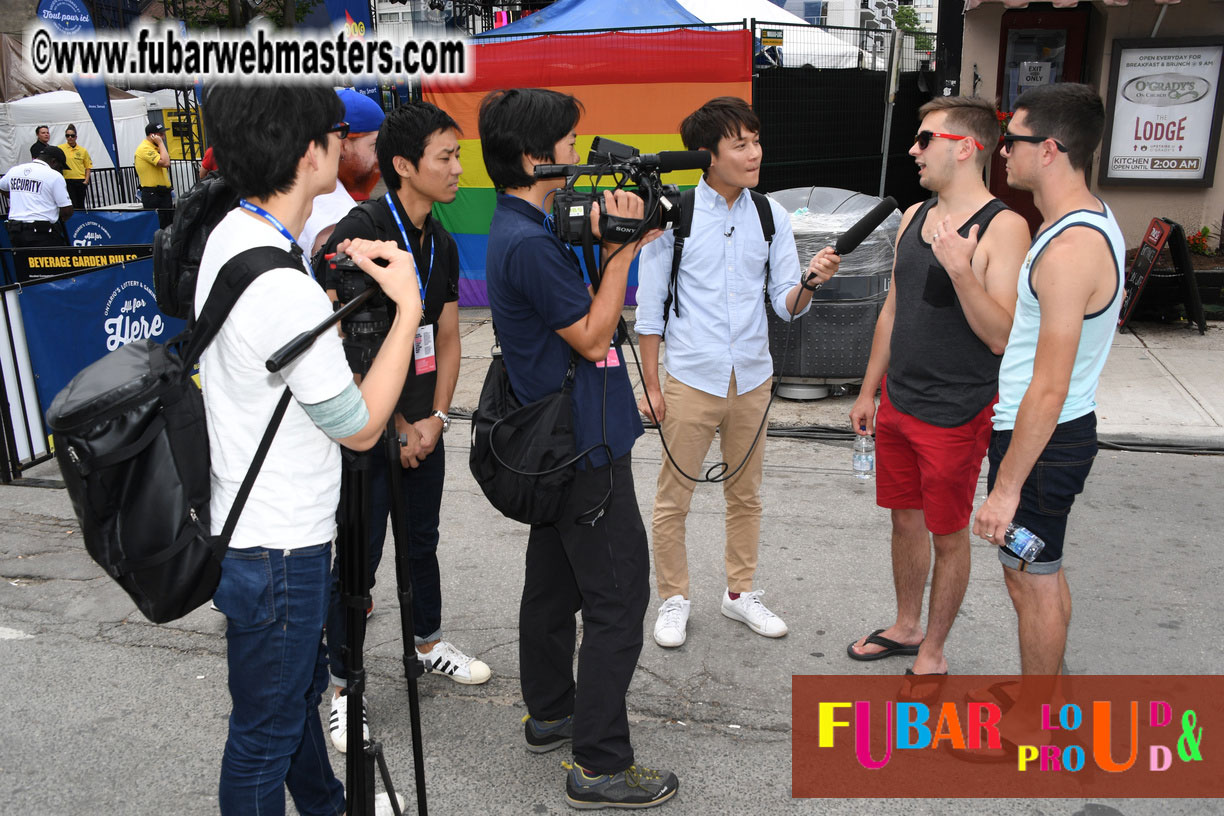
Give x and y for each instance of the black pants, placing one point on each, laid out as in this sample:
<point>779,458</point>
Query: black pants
<point>76,191</point>
<point>158,198</point>
<point>43,234</point>
<point>603,571</point>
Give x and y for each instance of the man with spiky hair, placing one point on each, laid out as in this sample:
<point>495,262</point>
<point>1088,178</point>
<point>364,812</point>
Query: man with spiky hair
<point>418,151</point>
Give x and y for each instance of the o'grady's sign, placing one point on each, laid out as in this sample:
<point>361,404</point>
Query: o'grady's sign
<point>1165,112</point>
<point>1162,90</point>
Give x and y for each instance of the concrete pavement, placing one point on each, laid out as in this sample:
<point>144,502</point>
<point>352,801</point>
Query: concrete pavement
<point>107,713</point>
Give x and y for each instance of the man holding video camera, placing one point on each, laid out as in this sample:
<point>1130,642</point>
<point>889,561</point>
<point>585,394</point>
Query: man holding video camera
<point>418,149</point>
<point>275,575</point>
<point>719,371</point>
<point>595,558</point>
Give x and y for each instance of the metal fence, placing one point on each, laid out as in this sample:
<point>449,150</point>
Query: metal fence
<point>116,186</point>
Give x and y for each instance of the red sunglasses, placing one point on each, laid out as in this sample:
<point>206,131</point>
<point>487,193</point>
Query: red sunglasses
<point>924,137</point>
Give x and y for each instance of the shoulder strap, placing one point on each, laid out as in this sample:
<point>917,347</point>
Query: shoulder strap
<point>687,201</point>
<point>987,214</point>
<point>233,279</point>
<point>765,214</point>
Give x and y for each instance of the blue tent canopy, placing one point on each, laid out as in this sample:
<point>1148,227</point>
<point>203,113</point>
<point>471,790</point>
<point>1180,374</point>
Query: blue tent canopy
<point>587,15</point>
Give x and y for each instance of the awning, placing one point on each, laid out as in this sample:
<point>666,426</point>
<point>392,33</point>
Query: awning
<point>972,4</point>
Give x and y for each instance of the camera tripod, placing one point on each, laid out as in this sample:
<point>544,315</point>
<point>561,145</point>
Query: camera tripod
<point>353,552</point>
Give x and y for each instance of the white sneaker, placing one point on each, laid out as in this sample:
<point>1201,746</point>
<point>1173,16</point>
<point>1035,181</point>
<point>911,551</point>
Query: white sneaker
<point>747,608</point>
<point>669,631</point>
<point>337,724</point>
<point>445,659</point>
<point>382,804</point>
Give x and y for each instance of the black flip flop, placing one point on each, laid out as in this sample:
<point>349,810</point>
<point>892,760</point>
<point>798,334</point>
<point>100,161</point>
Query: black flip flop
<point>891,648</point>
<point>934,682</point>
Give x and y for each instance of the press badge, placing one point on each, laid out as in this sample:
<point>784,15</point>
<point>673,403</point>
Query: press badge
<point>611,361</point>
<point>423,350</point>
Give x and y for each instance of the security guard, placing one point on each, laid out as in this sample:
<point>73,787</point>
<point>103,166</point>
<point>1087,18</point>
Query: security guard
<point>38,202</point>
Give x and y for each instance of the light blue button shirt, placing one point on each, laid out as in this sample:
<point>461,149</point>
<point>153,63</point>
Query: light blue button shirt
<point>722,325</point>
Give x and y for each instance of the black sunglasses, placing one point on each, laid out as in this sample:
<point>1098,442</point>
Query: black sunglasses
<point>341,128</point>
<point>1011,138</point>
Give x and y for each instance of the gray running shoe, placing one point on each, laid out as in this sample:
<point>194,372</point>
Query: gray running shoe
<point>634,787</point>
<point>546,735</point>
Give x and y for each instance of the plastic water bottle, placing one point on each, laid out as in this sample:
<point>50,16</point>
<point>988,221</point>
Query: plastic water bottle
<point>864,457</point>
<point>1023,543</point>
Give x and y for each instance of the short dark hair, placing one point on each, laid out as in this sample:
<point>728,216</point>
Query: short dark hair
<point>259,133</point>
<point>523,122</point>
<point>405,132</point>
<point>723,116</point>
<point>971,116</point>
<point>1071,113</point>
<point>40,127</point>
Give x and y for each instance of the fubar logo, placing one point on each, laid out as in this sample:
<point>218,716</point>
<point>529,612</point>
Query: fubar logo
<point>131,314</point>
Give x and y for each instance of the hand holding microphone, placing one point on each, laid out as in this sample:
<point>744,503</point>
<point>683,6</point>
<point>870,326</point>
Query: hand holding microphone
<point>829,260</point>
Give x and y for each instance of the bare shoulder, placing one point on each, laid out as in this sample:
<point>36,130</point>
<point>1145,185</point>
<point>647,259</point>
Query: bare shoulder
<point>1078,265</point>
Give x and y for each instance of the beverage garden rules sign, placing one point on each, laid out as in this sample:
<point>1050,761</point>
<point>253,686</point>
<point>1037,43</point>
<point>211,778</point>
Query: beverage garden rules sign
<point>1164,108</point>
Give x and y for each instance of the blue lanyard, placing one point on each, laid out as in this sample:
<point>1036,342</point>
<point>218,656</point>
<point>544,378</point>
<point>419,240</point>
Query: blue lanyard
<point>429,272</point>
<point>271,219</point>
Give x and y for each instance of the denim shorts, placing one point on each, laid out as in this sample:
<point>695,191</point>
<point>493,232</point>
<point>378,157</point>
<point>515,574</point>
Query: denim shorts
<point>1050,489</point>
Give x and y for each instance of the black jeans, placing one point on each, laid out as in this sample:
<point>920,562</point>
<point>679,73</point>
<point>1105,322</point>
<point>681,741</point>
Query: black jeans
<point>421,498</point>
<point>603,571</point>
<point>160,199</point>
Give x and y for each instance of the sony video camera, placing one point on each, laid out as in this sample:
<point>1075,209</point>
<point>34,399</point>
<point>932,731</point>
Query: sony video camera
<point>624,164</point>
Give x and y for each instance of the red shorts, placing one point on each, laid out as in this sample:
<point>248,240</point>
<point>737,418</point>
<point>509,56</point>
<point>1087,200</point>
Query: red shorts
<point>925,467</point>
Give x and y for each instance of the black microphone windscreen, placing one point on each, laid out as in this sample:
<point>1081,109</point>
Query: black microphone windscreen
<point>851,238</point>
<point>670,160</point>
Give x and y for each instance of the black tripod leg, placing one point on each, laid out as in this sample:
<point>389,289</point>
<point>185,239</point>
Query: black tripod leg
<point>355,597</point>
<point>403,581</point>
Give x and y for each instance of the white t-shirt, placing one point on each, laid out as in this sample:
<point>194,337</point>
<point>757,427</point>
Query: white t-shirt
<point>36,192</point>
<point>293,503</point>
<point>326,211</point>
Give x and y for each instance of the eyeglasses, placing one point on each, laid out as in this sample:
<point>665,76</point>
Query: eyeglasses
<point>69,135</point>
<point>1010,138</point>
<point>341,129</point>
<point>924,137</point>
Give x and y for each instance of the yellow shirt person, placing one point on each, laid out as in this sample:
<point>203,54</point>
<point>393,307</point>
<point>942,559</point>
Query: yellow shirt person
<point>152,169</point>
<point>77,167</point>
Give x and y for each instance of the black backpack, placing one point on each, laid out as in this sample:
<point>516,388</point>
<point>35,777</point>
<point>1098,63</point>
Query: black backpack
<point>132,444</point>
<point>177,249</point>
<point>687,201</point>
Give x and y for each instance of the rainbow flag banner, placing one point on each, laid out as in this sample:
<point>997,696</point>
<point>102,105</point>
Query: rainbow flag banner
<point>635,87</point>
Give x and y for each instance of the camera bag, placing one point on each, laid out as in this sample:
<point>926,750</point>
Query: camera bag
<point>177,249</point>
<point>130,436</point>
<point>523,455</point>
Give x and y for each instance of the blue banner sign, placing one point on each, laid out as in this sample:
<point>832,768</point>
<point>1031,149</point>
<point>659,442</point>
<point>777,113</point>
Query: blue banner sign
<point>107,228</point>
<point>71,322</point>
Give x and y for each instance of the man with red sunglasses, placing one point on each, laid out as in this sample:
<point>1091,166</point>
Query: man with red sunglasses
<point>939,338</point>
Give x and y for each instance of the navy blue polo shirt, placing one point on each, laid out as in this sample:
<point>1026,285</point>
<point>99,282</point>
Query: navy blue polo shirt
<point>536,287</point>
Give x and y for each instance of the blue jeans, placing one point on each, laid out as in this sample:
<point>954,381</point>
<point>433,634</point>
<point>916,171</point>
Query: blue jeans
<point>421,498</point>
<point>274,602</point>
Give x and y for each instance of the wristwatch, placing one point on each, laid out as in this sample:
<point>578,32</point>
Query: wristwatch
<point>445,420</point>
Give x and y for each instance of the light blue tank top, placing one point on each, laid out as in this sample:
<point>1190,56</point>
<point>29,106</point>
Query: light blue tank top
<point>1096,338</point>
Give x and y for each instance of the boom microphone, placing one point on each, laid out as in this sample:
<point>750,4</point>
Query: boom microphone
<point>668,160</point>
<point>851,238</point>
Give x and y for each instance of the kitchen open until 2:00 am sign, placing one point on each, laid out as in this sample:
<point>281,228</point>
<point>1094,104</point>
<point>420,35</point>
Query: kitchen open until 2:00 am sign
<point>1164,100</point>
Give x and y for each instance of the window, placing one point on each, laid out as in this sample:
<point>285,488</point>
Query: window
<point>814,12</point>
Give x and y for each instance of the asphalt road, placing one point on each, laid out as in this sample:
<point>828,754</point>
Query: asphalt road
<point>106,713</point>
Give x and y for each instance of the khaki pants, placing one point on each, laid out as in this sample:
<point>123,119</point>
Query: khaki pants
<point>688,427</point>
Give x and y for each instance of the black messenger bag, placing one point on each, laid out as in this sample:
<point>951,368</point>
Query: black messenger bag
<point>132,444</point>
<point>523,455</point>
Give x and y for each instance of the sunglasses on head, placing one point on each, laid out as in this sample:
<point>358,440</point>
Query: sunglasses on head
<point>1011,138</point>
<point>340,128</point>
<point>924,137</point>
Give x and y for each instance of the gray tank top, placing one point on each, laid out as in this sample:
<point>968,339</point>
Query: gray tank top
<point>938,370</point>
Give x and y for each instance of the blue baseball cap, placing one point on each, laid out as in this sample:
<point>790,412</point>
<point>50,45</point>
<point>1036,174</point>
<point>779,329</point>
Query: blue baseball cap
<point>360,111</point>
